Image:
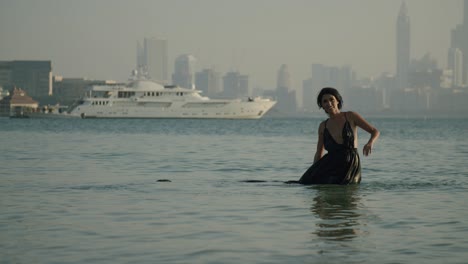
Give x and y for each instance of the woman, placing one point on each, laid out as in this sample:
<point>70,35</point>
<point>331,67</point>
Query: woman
<point>338,135</point>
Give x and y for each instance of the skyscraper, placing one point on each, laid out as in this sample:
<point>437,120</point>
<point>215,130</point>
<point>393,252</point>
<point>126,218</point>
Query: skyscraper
<point>284,94</point>
<point>208,81</point>
<point>284,78</point>
<point>403,41</point>
<point>235,85</point>
<point>459,40</point>
<point>152,58</point>
<point>455,64</point>
<point>184,71</point>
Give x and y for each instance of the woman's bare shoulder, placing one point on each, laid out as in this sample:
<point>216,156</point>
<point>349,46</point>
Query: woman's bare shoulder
<point>322,126</point>
<point>353,117</point>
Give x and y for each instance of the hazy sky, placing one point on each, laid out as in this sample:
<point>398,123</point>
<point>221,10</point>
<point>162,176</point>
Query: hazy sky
<point>97,38</point>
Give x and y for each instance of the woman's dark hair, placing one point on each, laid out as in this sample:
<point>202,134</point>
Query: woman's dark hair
<point>331,91</point>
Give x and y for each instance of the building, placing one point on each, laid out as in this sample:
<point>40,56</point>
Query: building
<point>34,77</point>
<point>152,59</point>
<point>341,78</point>
<point>283,80</point>
<point>403,44</point>
<point>386,83</point>
<point>364,99</point>
<point>235,85</point>
<point>68,90</point>
<point>17,103</point>
<point>455,65</point>
<point>184,71</point>
<point>5,73</point>
<point>3,93</point>
<point>208,81</point>
<point>285,95</point>
<point>424,73</point>
<point>459,41</point>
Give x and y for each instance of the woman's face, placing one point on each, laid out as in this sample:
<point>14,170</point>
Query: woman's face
<point>330,104</point>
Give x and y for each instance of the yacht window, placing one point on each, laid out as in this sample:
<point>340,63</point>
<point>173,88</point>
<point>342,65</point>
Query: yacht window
<point>123,94</point>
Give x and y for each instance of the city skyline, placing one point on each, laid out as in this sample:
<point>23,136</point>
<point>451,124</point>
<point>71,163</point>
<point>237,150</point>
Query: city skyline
<point>98,39</point>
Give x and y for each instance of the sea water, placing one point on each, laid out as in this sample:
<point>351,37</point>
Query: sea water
<point>212,191</point>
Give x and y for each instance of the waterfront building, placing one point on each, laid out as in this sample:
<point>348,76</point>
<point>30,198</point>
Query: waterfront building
<point>69,90</point>
<point>5,73</point>
<point>403,44</point>
<point>34,77</point>
<point>3,93</point>
<point>18,102</point>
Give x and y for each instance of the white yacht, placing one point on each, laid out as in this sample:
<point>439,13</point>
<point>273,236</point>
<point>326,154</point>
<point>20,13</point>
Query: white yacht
<point>143,98</point>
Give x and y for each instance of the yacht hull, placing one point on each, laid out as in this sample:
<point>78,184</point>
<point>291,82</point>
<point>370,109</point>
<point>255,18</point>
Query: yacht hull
<point>148,99</point>
<point>234,110</point>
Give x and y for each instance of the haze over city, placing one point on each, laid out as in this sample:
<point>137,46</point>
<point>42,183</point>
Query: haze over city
<point>98,39</point>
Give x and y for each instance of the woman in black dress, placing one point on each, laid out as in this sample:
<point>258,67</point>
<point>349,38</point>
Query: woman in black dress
<point>338,136</point>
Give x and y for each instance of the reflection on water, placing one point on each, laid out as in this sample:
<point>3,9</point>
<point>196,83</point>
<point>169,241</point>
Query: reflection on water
<point>337,209</point>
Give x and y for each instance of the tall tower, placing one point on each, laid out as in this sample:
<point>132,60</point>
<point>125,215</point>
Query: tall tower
<point>152,58</point>
<point>402,47</point>
<point>464,44</point>
<point>455,64</point>
<point>208,81</point>
<point>284,78</point>
<point>285,95</point>
<point>184,71</point>
<point>459,41</point>
<point>235,85</point>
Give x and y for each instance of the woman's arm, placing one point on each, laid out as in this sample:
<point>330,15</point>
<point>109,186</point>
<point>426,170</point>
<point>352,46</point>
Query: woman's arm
<point>366,126</point>
<point>320,147</point>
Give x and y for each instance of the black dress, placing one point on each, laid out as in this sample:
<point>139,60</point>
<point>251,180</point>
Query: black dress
<point>341,165</point>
